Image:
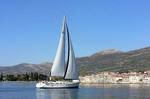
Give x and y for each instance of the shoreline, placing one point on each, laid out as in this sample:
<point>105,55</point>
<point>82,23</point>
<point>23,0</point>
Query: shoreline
<point>117,78</point>
<point>103,78</point>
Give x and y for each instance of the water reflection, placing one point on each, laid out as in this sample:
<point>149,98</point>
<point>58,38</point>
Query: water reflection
<point>118,91</point>
<point>19,90</point>
<point>99,91</point>
<point>57,94</point>
<point>115,85</point>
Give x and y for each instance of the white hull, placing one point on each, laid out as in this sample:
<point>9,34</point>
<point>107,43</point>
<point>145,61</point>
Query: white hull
<point>58,84</point>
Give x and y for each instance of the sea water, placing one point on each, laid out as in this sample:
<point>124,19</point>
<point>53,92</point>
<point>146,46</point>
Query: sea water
<point>27,90</point>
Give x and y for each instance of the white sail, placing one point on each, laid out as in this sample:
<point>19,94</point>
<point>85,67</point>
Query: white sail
<point>58,67</point>
<point>72,68</point>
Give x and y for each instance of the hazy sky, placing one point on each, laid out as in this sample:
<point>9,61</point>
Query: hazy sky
<point>30,29</point>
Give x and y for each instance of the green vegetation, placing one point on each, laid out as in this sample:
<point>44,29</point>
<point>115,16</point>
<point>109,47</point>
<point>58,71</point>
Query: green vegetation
<point>23,77</point>
<point>1,77</point>
<point>132,61</point>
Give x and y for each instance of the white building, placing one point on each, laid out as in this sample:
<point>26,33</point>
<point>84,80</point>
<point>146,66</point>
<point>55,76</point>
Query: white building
<point>135,79</point>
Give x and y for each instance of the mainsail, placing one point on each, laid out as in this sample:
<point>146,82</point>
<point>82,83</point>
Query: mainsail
<point>70,71</point>
<point>58,68</point>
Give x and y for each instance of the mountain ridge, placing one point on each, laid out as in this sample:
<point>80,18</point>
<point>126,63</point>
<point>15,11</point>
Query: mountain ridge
<point>108,60</point>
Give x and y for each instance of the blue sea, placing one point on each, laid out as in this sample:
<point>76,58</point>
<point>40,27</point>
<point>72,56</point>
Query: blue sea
<point>27,90</point>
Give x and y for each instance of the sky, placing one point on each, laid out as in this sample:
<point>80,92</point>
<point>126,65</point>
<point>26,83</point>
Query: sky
<point>30,29</point>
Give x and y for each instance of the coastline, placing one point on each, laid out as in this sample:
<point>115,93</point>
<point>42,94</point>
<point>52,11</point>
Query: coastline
<point>117,78</point>
<point>105,78</point>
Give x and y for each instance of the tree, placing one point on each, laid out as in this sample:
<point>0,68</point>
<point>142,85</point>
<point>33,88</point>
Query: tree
<point>11,78</point>
<point>42,77</point>
<point>1,77</point>
<point>26,77</point>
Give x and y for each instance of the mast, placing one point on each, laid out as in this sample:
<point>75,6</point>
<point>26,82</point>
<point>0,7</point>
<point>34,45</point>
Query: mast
<point>67,70</point>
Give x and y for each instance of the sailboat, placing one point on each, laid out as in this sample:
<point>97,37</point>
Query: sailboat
<point>64,72</point>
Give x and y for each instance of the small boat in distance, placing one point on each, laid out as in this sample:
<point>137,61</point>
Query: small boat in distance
<point>64,72</point>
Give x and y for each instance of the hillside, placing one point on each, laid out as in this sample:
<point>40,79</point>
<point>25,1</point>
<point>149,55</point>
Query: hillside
<point>136,60</point>
<point>108,60</point>
<point>26,68</point>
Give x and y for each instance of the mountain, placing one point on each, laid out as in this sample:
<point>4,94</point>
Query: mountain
<point>135,60</point>
<point>107,60</point>
<point>108,51</point>
<point>27,68</point>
